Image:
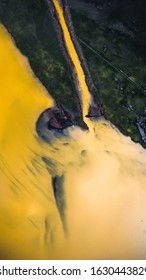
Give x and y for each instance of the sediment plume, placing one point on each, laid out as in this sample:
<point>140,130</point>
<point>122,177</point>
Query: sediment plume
<point>81,196</point>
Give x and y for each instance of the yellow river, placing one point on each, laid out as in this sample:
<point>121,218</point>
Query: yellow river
<point>104,176</point>
<point>82,86</point>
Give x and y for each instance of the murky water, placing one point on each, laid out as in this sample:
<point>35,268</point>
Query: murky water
<point>26,195</point>
<point>104,179</point>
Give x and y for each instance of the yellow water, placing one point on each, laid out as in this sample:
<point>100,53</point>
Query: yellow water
<point>82,86</point>
<point>26,196</point>
<point>104,179</point>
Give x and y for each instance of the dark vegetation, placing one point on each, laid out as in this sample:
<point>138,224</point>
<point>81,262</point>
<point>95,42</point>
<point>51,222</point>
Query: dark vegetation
<point>123,102</point>
<point>30,24</point>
